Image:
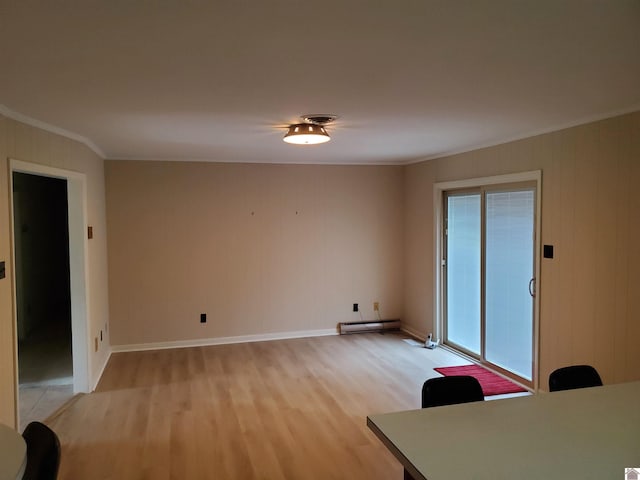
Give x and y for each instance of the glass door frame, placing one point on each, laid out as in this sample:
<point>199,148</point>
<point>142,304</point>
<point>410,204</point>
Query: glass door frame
<point>444,337</point>
<point>480,184</point>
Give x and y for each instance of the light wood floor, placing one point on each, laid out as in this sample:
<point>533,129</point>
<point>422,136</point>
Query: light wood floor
<point>287,409</point>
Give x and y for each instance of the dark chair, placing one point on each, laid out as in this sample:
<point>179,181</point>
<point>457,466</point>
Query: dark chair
<point>575,376</point>
<point>441,391</point>
<point>43,452</point>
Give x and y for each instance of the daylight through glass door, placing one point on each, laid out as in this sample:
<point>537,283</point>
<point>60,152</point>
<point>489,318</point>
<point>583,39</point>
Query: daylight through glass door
<point>489,271</point>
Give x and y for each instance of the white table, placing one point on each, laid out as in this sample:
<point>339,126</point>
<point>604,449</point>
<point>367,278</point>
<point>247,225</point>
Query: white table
<point>591,433</point>
<point>13,454</point>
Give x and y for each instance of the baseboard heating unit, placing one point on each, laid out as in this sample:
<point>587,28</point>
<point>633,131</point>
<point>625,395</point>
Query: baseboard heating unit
<point>372,326</point>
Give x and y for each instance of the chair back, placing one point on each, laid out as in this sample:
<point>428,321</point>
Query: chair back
<point>43,452</point>
<point>575,376</point>
<point>450,390</point>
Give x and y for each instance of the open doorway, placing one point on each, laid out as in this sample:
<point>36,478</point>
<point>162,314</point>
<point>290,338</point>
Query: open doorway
<point>43,296</point>
<point>49,231</point>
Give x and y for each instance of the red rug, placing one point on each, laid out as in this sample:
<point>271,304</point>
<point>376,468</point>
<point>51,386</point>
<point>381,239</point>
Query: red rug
<point>491,383</point>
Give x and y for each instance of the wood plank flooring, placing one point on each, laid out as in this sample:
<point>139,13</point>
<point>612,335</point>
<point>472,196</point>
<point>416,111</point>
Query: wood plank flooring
<point>287,409</point>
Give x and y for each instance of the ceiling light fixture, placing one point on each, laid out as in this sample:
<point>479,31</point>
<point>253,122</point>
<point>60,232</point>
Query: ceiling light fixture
<point>311,132</point>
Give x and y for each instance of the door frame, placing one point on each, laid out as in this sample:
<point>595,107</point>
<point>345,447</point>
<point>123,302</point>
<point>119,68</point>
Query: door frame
<point>78,271</point>
<point>438,198</point>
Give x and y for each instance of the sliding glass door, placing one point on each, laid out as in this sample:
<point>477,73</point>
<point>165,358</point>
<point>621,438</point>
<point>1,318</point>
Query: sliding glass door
<point>489,270</point>
<point>464,271</point>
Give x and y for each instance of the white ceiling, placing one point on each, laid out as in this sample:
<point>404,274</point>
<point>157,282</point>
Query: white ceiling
<point>410,79</point>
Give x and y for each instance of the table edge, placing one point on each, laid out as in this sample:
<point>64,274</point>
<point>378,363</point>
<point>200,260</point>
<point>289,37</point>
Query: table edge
<point>408,466</point>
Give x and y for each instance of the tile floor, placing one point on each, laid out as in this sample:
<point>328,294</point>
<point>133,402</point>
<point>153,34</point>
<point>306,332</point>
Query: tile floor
<point>45,373</point>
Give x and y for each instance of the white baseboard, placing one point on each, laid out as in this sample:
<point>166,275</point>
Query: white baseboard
<point>205,342</point>
<point>413,332</point>
<point>104,365</point>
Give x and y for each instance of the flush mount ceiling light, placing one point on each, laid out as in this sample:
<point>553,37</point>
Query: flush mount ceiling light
<point>311,132</point>
<point>306,134</point>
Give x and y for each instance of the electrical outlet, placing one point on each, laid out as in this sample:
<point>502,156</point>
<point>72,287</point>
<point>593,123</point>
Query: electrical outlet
<point>203,318</point>
<point>355,307</point>
<point>376,306</point>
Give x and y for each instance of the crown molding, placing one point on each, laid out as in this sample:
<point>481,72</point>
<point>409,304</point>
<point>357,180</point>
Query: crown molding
<point>531,134</point>
<point>19,117</point>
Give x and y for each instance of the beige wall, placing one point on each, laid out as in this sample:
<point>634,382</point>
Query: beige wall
<point>589,293</point>
<point>22,142</point>
<point>262,249</point>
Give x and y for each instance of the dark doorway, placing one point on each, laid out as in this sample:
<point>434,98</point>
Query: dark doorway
<point>43,296</point>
